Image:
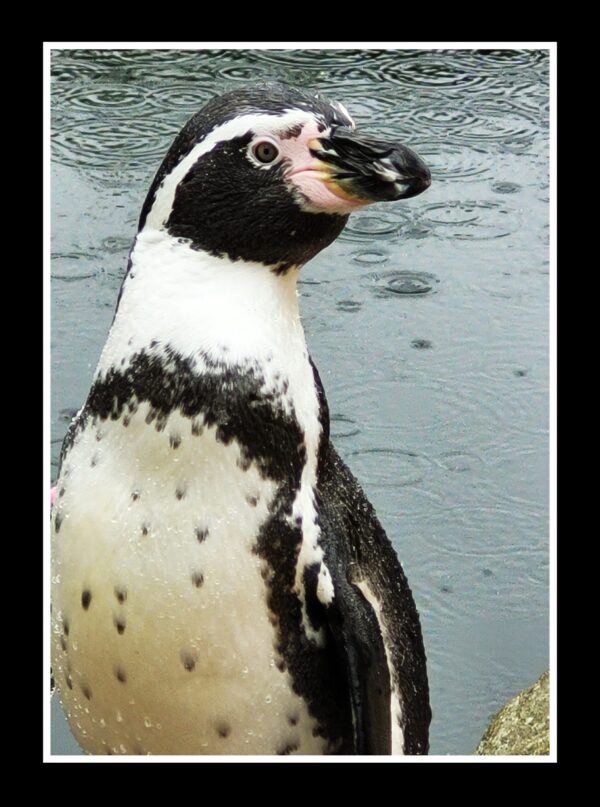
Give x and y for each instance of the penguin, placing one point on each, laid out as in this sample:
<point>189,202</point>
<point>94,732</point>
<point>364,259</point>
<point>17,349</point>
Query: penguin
<point>220,582</point>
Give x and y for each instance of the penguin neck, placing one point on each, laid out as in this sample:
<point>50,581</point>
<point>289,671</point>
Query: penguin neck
<point>191,301</point>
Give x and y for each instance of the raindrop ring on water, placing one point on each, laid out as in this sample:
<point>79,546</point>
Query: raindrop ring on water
<point>403,283</point>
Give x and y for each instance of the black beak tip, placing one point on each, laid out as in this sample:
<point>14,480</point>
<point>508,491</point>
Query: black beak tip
<point>416,184</point>
<point>423,175</point>
<point>423,182</point>
<point>418,175</point>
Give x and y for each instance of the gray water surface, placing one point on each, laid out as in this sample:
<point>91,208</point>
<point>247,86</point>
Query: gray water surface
<point>428,320</point>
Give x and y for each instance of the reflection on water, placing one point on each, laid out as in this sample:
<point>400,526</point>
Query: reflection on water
<point>427,318</point>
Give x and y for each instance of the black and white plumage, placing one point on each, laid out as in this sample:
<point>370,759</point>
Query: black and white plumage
<point>221,585</point>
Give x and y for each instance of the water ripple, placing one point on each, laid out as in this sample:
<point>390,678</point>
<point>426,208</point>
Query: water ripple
<point>431,70</point>
<point>107,143</point>
<point>493,125</point>
<point>501,60</point>
<point>72,277</point>
<point>115,245</point>
<point>313,59</point>
<point>381,225</point>
<point>458,461</point>
<point>370,257</point>
<point>254,72</point>
<point>389,467</point>
<point>72,266</point>
<point>452,161</point>
<point>112,98</point>
<point>342,426</point>
<point>69,68</point>
<point>470,220</point>
<point>535,107</point>
<point>505,187</point>
<point>370,110</point>
<point>189,95</point>
<point>359,76</point>
<point>443,116</point>
<point>350,306</point>
<point>402,283</point>
<point>133,57</point>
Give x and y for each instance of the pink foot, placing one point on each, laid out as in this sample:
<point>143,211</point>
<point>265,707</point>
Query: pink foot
<point>52,495</point>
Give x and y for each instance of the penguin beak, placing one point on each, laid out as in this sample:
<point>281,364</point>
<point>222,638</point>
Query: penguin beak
<point>362,169</point>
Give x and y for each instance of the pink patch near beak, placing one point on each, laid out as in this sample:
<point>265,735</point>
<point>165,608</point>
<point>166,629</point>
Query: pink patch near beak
<point>312,178</point>
<point>320,191</point>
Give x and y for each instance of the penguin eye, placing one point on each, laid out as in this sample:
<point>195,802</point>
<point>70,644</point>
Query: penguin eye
<point>265,151</point>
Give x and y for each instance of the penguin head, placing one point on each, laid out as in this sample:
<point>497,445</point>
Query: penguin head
<point>270,174</point>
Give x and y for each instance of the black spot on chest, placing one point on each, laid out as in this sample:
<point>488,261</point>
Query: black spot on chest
<point>197,578</point>
<point>120,675</point>
<point>188,660</point>
<point>287,749</point>
<point>120,594</point>
<point>201,534</point>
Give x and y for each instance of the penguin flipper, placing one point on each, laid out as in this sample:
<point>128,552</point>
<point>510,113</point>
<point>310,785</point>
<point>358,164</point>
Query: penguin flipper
<point>372,617</point>
<point>359,645</point>
<point>355,628</point>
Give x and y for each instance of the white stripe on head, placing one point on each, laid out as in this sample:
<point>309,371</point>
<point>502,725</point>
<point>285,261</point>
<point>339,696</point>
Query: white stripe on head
<point>239,126</point>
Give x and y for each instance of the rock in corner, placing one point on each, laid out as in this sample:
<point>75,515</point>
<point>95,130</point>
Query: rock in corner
<point>522,727</point>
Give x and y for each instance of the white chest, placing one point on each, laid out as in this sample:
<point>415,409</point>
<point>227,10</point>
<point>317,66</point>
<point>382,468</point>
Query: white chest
<point>163,641</point>
<point>162,635</point>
